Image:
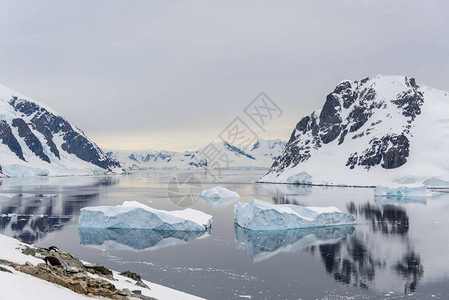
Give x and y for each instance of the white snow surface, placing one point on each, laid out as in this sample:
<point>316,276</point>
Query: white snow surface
<point>23,286</point>
<point>133,214</point>
<point>401,191</point>
<point>259,155</point>
<point>11,165</point>
<point>429,140</point>
<point>261,215</point>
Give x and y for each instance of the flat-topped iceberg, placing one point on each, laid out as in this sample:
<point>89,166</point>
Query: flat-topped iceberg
<point>261,215</point>
<point>401,191</point>
<point>132,214</point>
<point>219,196</point>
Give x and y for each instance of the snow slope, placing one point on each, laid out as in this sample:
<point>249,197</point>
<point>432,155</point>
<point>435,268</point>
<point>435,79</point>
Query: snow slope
<point>35,140</point>
<point>261,154</point>
<point>375,131</point>
<point>18,285</point>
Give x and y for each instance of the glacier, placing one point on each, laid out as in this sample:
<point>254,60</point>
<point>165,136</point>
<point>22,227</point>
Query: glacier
<point>401,191</point>
<point>259,215</point>
<point>133,214</point>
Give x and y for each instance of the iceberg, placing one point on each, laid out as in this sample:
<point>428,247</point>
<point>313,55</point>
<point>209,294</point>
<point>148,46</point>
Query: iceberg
<point>219,192</point>
<point>401,191</point>
<point>262,245</point>
<point>260,216</point>
<point>219,196</point>
<point>136,239</point>
<point>300,178</point>
<point>132,214</point>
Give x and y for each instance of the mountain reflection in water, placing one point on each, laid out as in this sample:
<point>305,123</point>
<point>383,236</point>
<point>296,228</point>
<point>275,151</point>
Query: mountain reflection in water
<point>45,204</point>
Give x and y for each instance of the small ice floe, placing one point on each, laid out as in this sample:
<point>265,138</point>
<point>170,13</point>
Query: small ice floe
<point>219,196</point>
<point>261,215</point>
<point>132,214</point>
<point>404,191</point>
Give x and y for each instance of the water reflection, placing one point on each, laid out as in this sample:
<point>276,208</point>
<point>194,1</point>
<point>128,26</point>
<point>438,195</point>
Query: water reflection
<point>411,269</point>
<point>287,193</point>
<point>30,208</point>
<point>364,257</point>
<point>136,239</point>
<point>389,219</point>
<point>261,245</point>
<point>399,200</point>
<point>351,262</point>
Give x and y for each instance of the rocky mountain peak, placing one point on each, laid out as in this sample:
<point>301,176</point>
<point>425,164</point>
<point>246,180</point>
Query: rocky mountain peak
<point>372,117</point>
<point>40,138</point>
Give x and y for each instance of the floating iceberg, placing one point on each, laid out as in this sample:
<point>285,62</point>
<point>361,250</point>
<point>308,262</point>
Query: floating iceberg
<point>260,215</point>
<point>137,239</point>
<point>401,191</point>
<point>261,245</point>
<point>300,178</point>
<point>132,214</point>
<point>219,196</point>
<point>219,192</point>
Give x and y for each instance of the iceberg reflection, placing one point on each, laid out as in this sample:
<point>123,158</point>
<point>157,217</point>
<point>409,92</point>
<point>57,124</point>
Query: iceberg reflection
<point>137,239</point>
<point>262,245</point>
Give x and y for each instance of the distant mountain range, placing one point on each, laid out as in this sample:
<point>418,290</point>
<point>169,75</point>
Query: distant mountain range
<point>371,131</point>
<point>35,140</point>
<point>261,154</point>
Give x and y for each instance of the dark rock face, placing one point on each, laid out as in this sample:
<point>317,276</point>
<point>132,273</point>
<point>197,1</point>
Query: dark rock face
<point>390,152</point>
<point>349,111</point>
<point>410,102</point>
<point>49,124</point>
<point>10,140</point>
<point>79,145</point>
<point>30,139</point>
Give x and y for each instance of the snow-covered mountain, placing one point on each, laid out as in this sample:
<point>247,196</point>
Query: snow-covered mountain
<point>372,131</point>
<point>35,140</point>
<point>261,154</point>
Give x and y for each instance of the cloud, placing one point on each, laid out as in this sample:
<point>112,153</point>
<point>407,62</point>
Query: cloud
<point>156,67</point>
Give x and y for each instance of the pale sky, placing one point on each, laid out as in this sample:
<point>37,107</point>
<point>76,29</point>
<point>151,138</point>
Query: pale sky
<point>173,74</point>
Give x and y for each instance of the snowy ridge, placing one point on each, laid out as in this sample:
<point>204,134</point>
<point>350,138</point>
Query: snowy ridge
<point>260,155</point>
<point>370,132</point>
<point>35,140</point>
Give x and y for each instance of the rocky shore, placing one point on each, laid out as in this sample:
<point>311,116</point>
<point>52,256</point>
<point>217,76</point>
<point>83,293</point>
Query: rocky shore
<point>64,270</point>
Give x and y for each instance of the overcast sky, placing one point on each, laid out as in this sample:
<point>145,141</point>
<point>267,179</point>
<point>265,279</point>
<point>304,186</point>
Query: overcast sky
<point>173,74</point>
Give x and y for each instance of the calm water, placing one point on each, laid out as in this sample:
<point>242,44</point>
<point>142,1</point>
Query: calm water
<point>398,248</point>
